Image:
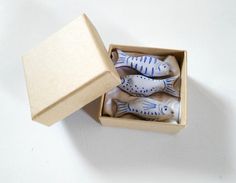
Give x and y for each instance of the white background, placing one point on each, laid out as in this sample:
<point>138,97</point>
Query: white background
<point>78,149</point>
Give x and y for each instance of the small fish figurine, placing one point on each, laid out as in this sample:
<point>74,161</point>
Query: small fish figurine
<point>145,108</point>
<point>139,85</point>
<point>148,65</point>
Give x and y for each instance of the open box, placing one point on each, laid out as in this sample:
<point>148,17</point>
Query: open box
<point>181,57</point>
<point>71,68</point>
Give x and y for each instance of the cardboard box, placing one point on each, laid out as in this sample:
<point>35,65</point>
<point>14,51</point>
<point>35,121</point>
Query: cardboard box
<point>181,57</point>
<point>72,68</point>
<point>67,71</point>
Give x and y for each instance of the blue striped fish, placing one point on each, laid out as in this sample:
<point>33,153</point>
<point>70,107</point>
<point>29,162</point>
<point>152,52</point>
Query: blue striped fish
<point>139,85</point>
<point>145,108</point>
<point>148,65</point>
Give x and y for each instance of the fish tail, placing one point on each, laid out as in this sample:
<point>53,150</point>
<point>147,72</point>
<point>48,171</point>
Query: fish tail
<point>121,59</point>
<point>169,86</point>
<point>121,108</point>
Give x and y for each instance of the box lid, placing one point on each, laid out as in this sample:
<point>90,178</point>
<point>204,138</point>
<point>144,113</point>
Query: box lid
<point>67,71</point>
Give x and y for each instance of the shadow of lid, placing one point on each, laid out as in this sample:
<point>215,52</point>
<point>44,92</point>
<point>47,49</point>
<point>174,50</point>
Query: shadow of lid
<point>202,147</point>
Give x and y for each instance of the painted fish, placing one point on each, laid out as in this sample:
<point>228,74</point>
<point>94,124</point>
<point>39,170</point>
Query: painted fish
<point>139,85</point>
<point>148,65</point>
<point>145,108</point>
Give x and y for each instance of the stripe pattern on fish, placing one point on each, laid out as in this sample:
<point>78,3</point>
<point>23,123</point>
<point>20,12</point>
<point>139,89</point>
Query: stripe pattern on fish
<point>145,108</point>
<point>139,85</point>
<point>148,65</point>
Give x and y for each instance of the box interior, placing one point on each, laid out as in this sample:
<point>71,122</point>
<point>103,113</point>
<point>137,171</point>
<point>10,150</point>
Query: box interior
<point>181,58</point>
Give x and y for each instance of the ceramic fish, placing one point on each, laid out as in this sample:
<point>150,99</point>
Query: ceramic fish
<point>145,108</point>
<point>148,65</point>
<point>139,85</point>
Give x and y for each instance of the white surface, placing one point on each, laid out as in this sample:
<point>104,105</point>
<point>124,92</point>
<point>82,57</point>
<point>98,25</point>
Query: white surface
<point>80,150</point>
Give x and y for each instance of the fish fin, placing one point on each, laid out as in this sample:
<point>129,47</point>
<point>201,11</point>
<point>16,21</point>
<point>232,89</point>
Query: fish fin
<point>121,62</point>
<point>121,108</point>
<point>169,86</point>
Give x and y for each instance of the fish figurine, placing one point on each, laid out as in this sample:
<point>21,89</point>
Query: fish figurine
<point>139,85</point>
<point>143,107</point>
<point>148,65</point>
